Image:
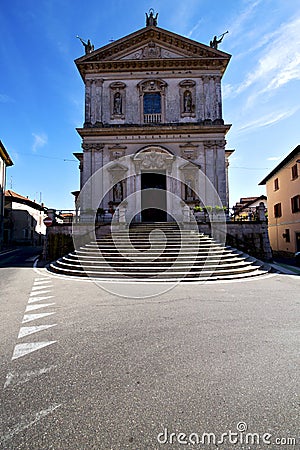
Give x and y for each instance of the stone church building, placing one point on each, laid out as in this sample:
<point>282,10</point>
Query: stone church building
<point>153,113</point>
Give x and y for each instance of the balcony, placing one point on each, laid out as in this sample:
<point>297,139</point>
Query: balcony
<point>152,118</point>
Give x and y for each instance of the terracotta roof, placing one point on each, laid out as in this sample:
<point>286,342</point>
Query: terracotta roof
<point>14,196</point>
<point>246,202</point>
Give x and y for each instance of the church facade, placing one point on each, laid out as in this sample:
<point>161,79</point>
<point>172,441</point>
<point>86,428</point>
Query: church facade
<point>153,111</point>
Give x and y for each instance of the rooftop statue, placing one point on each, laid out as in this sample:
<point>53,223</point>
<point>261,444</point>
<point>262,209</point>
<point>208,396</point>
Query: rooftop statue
<point>151,20</point>
<point>88,46</point>
<point>217,40</point>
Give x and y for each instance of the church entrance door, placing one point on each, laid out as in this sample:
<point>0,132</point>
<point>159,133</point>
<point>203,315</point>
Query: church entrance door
<point>154,199</point>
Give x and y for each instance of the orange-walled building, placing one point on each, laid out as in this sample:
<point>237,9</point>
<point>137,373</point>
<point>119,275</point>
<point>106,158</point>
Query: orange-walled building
<point>283,199</point>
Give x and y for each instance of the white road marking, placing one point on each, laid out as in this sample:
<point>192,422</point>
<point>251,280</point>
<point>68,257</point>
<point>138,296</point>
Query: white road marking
<point>38,306</point>
<point>24,349</point>
<point>36,288</point>
<point>39,292</point>
<point>41,278</point>
<point>16,378</point>
<point>41,283</point>
<point>26,331</point>
<point>38,299</point>
<point>9,251</point>
<point>30,317</point>
<point>23,425</point>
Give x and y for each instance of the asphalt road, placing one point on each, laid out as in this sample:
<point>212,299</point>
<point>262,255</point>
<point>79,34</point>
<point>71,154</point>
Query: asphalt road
<point>97,371</point>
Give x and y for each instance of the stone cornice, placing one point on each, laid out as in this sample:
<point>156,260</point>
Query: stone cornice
<point>153,64</point>
<point>129,131</point>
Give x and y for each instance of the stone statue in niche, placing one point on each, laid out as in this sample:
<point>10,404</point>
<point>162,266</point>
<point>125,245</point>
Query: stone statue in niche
<point>117,110</point>
<point>118,192</point>
<point>189,193</point>
<point>187,102</point>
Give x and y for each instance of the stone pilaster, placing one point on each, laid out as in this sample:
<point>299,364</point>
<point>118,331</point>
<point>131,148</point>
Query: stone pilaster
<point>215,169</point>
<point>219,114</point>
<point>98,101</point>
<point>88,110</point>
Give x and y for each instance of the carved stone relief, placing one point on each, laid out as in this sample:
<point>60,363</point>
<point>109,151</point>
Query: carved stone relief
<point>189,150</point>
<point>116,151</point>
<point>153,159</point>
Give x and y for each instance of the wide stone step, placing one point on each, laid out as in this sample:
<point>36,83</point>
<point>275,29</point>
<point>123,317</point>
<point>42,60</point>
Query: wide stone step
<point>188,256</point>
<point>169,275</point>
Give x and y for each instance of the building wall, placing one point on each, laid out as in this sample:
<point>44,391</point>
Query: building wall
<point>27,224</point>
<point>278,226</point>
<point>2,186</point>
<point>206,149</point>
<point>204,85</point>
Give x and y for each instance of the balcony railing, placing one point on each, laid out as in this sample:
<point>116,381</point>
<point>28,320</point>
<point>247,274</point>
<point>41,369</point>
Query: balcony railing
<point>152,118</point>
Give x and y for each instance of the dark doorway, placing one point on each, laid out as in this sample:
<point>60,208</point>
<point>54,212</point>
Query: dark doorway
<point>154,201</point>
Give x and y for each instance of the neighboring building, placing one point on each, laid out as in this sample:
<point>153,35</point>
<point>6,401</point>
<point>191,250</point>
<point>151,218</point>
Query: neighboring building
<point>154,95</point>
<point>283,194</point>
<point>246,208</point>
<point>23,220</point>
<point>5,161</point>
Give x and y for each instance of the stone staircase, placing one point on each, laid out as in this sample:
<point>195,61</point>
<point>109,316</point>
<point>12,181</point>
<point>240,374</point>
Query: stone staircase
<point>158,252</point>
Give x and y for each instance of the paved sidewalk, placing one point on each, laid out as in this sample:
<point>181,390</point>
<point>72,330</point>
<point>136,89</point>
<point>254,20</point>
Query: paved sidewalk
<point>285,268</point>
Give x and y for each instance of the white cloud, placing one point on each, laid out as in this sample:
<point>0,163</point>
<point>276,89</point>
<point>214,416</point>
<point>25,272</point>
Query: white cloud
<point>227,91</point>
<point>279,61</point>
<point>5,98</point>
<point>274,158</point>
<point>237,27</point>
<point>190,33</point>
<point>39,141</point>
<point>268,120</point>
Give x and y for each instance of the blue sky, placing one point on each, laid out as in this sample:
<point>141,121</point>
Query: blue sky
<point>42,94</point>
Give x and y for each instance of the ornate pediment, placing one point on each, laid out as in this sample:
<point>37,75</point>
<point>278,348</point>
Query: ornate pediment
<point>117,171</point>
<point>151,43</point>
<point>153,158</point>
